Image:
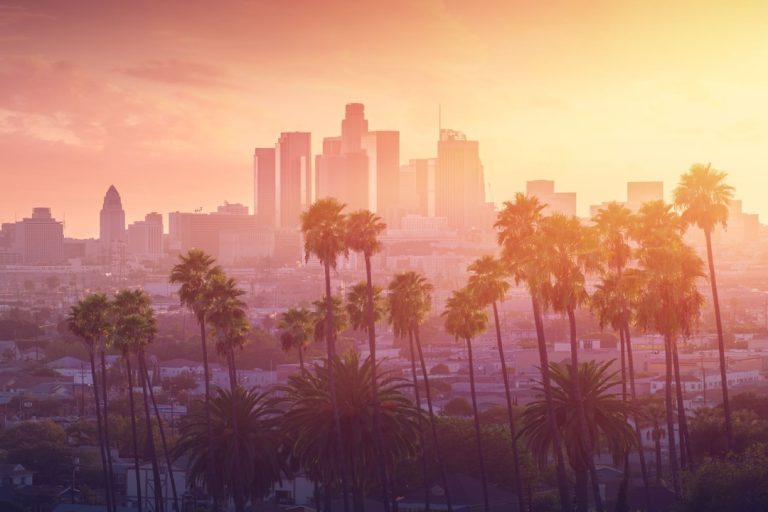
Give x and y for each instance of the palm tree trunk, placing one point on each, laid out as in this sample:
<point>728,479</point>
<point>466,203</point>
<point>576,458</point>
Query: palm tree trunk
<point>158,490</point>
<point>163,440</point>
<point>720,343</point>
<point>478,437</point>
<point>510,415</point>
<point>206,376</point>
<point>331,342</point>
<point>105,390</point>
<point>133,431</point>
<point>432,421</point>
<point>377,434</point>
<point>546,382</point>
<point>417,397</point>
<point>670,414</point>
<point>682,419</point>
<point>238,485</point>
<point>100,431</point>
<point>581,414</point>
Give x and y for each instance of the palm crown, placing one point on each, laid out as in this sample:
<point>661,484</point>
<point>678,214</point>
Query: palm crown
<point>703,196</point>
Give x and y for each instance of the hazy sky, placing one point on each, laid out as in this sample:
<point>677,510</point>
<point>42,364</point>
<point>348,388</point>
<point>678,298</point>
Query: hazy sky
<point>167,99</point>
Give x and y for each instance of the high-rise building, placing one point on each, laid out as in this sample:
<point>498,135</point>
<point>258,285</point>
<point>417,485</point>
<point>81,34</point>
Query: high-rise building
<point>639,192</point>
<point>342,171</point>
<point>112,218</point>
<point>459,183</point>
<point>145,237</point>
<point>39,239</point>
<point>264,184</point>
<point>383,151</point>
<point>555,202</point>
<point>293,160</point>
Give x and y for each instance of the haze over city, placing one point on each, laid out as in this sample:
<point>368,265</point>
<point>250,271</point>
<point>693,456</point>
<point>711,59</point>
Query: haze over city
<point>167,100</point>
<point>399,256</point>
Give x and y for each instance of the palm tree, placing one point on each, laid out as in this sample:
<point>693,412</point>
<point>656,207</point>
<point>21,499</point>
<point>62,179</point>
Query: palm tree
<point>310,422</point>
<point>488,283</point>
<point>670,302</point>
<point>88,319</point>
<point>606,413</point>
<point>194,273</point>
<point>568,252</point>
<point>704,197</point>
<point>230,325</point>
<point>518,227</point>
<point>409,302</point>
<point>324,228</point>
<point>613,297</point>
<point>134,326</point>
<point>256,456</point>
<point>296,329</point>
<point>464,319</point>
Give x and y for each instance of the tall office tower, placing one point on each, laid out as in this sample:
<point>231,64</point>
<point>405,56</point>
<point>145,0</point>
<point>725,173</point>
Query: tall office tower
<point>555,202</point>
<point>145,237</point>
<point>112,218</point>
<point>342,169</point>
<point>383,151</point>
<point>264,187</point>
<point>417,186</point>
<point>459,183</point>
<point>639,192</point>
<point>293,160</point>
<point>353,127</point>
<point>39,239</point>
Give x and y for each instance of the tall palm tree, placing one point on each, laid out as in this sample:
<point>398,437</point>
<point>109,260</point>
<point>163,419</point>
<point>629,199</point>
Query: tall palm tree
<point>408,304</point>
<point>606,413</point>
<point>89,319</point>
<point>230,326</point>
<point>363,231</point>
<point>323,226</point>
<point>568,252</point>
<point>464,319</point>
<point>134,327</point>
<point>296,330</point>
<point>194,273</point>
<point>488,283</point>
<point>311,425</point>
<point>518,227</point>
<point>670,301</point>
<point>258,461</point>
<point>613,298</point>
<point>704,197</point>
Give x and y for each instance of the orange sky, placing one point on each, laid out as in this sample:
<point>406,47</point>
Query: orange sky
<point>167,99</point>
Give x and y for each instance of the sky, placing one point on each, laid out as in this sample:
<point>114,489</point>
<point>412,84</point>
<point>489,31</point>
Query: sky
<point>166,100</point>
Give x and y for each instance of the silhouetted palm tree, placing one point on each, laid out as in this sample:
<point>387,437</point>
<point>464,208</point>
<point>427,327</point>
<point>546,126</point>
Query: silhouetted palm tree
<point>488,283</point>
<point>518,227</point>
<point>89,319</point>
<point>464,319</point>
<point>310,422</point>
<point>324,228</point>
<point>256,457</point>
<point>363,231</point>
<point>569,252</point>
<point>408,304</point>
<point>230,325</point>
<point>296,330</point>
<point>704,198</point>
<point>606,418</point>
<point>669,302</point>
<point>194,273</point>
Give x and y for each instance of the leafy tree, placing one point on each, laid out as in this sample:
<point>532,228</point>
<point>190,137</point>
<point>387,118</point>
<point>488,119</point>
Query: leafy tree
<point>704,198</point>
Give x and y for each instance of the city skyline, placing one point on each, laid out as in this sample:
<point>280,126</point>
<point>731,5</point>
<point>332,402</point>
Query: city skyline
<point>574,94</point>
